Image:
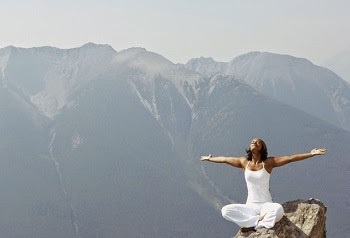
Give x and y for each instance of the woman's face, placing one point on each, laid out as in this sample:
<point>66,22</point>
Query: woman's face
<point>255,145</point>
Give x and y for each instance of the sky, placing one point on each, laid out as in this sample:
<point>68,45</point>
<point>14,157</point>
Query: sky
<point>182,29</point>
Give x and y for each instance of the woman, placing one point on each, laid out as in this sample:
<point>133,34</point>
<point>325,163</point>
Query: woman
<point>259,210</point>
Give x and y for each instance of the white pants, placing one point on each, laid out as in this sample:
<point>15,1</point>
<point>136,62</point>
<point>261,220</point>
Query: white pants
<point>248,215</point>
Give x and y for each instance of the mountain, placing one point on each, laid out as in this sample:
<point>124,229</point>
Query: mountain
<point>340,64</point>
<point>99,143</point>
<point>294,81</point>
<point>29,191</point>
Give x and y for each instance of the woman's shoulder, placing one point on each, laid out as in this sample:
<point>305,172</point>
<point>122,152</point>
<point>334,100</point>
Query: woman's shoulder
<point>269,163</point>
<point>244,160</point>
<point>269,159</point>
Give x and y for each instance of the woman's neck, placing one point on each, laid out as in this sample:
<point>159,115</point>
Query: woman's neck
<point>256,158</point>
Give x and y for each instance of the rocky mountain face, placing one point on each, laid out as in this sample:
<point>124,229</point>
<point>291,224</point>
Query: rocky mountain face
<point>99,143</point>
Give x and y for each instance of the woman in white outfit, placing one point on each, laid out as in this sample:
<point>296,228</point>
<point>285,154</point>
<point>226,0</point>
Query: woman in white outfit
<point>259,210</point>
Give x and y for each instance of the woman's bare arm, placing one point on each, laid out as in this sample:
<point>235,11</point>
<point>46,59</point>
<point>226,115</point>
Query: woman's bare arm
<point>282,160</point>
<point>233,161</point>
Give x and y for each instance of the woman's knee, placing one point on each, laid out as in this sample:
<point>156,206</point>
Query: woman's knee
<point>275,209</point>
<point>224,211</point>
<point>279,211</point>
<point>228,209</point>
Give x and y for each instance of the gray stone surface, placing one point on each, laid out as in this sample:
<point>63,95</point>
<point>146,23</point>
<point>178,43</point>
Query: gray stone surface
<point>303,218</point>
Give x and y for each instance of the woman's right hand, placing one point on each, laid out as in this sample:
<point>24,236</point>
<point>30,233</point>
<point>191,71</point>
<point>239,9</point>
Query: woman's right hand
<point>205,157</point>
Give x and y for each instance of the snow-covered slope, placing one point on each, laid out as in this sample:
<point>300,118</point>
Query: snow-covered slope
<point>4,56</point>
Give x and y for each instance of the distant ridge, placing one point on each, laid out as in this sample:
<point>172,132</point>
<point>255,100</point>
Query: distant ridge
<point>294,81</point>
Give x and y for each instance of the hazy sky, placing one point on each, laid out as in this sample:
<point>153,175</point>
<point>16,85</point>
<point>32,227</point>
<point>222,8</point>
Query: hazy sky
<point>182,29</point>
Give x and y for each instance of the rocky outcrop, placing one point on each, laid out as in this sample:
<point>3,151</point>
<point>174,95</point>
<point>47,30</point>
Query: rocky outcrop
<point>302,219</point>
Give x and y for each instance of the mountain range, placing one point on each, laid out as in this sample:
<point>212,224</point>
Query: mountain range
<point>294,81</point>
<point>99,143</point>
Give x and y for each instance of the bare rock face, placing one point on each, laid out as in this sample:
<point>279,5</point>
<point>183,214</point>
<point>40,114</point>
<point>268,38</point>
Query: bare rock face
<point>302,219</point>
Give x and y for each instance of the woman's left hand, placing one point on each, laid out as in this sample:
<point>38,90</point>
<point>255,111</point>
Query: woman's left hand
<point>318,151</point>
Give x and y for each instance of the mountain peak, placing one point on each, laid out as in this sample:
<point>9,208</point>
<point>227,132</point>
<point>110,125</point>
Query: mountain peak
<point>268,57</point>
<point>202,60</point>
<point>91,45</point>
<point>140,58</point>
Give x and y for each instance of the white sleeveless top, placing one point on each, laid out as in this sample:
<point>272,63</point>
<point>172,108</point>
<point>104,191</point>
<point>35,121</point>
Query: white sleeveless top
<point>258,185</point>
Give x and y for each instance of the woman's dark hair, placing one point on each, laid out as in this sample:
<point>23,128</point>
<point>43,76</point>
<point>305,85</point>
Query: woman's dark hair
<point>263,151</point>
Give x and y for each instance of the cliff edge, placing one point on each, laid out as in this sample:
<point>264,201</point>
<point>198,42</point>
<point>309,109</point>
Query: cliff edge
<point>302,219</point>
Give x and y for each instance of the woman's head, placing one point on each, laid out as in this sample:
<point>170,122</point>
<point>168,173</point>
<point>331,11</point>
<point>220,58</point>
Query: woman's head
<point>257,146</point>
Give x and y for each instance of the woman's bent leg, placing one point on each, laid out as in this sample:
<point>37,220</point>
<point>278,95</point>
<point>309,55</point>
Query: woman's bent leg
<point>271,213</point>
<point>241,214</point>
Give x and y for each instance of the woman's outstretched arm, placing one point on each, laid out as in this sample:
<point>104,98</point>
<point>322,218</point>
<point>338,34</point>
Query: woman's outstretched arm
<point>282,160</point>
<point>234,161</point>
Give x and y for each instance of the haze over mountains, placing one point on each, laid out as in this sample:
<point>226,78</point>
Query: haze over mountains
<point>340,63</point>
<point>99,143</point>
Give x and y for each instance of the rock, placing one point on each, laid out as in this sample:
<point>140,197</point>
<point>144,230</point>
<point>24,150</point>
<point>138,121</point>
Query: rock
<point>301,219</point>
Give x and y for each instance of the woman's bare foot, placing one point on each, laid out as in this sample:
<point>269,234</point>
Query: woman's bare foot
<point>261,217</point>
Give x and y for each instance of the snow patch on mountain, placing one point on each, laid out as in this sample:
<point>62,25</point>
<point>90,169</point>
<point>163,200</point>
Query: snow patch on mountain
<point>215,81</point>
<point>151,106</point>
<point>77,141</point>
<point>4,56</point>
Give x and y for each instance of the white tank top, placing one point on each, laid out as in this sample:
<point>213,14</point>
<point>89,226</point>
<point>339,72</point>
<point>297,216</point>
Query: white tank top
<point>258,185</point>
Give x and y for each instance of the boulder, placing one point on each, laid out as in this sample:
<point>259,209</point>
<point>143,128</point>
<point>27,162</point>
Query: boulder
<point>302,218</point>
